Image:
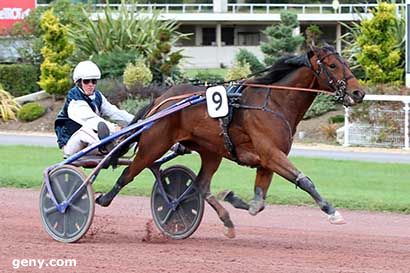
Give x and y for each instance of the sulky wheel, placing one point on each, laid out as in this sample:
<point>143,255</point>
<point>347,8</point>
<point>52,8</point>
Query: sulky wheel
<point>71,225</point>
<point>180,218</point>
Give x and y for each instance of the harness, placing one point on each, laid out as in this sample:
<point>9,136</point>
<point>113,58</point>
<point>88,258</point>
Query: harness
<point>234,93</point>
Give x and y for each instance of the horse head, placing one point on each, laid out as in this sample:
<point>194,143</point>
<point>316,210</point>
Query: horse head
<point>333,74</point>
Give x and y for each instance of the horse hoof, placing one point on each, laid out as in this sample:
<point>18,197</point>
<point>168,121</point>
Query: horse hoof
<point>102,201</point>
<point>336,219</point>
<point>255,207</point>
<point>229,232</point>
<point>223,194</point>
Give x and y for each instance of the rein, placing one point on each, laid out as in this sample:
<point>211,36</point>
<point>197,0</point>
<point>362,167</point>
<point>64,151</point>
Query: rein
<point>279,87</point>
<point>155,108</point>
<point>288,88</point>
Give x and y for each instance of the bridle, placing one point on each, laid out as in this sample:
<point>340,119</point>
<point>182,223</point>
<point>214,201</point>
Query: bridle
<point>337,86</point>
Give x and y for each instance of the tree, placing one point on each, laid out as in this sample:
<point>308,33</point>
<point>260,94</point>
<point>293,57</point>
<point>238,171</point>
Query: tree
<point>245,56</point>
<point>29,29</point>
<point>313,34</point>
<point>55,71</point>
<point>381,42</point>
<point>281,40</point>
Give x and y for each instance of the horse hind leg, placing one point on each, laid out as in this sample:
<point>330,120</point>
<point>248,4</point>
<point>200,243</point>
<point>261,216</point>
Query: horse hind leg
<point>149,150</point>
<point>230,197</point>
<point>257,204</point>
<point>210,163</point>
<point>262,183</point>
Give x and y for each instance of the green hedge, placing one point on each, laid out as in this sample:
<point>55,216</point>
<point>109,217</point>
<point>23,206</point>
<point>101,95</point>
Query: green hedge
<point>19,79</point>
<point>31,111</point>
<point>321,105</point>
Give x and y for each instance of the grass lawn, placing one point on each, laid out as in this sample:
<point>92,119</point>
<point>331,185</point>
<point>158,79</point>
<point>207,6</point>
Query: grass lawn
<point>346,184</point>
<point>191,73</point>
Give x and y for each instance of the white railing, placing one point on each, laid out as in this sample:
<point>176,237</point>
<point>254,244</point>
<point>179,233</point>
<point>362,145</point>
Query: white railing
<point>383,98</point>
<point>244,8</point>
<point>300,8</point>
<point>149,8</point>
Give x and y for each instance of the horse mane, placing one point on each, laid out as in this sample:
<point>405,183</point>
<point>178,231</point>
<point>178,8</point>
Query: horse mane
<point>281,68</point>
<point>286,65</point>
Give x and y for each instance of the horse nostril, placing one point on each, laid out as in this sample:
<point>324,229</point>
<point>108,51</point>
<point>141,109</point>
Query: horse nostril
<point>358,95</point>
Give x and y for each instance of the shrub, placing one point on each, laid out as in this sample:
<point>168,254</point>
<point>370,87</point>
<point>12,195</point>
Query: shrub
<point>137,73</point>
<point>113,89</point>
<point>19,79</point>
<point>112,64</point>
<point>8,106</point>
<point>376,46</point>
<point>237,72</point>
<point>329,130</point>
<point>55,71</point>
<point>245,56</point>
<point>207,77</point>
<point>320,106</point>
<point>126,29</point>
<point>133,105</point>
<point>337,119</point>
<point>116,92</point>
<point>31,111</point>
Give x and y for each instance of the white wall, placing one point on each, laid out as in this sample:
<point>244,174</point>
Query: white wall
<point>212,56</point>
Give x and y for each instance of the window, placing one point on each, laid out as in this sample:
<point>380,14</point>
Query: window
<point>248,38</point>
<point>188,41</point>
<point>208,36</point>
<point>227,36</point>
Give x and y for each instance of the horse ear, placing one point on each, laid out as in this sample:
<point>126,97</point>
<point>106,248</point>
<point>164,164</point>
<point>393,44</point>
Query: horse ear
<point>329,47</point>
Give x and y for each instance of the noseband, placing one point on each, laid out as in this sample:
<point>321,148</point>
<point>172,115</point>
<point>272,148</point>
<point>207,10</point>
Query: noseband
<point>337,86</point>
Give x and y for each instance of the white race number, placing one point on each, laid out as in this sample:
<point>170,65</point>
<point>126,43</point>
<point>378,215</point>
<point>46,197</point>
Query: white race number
<point>217,101</point>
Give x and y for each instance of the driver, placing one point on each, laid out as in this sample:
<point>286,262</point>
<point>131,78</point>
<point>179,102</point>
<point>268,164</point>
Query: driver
<point>80,122</point>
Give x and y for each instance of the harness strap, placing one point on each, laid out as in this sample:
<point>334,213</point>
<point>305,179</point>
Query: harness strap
<point>155,108</point>
<point>224,122</point>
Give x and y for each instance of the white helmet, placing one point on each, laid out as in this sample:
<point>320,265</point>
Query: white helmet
<point>86,70</point>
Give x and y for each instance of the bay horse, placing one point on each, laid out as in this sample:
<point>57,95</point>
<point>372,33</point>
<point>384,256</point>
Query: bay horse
<point>261,129</point>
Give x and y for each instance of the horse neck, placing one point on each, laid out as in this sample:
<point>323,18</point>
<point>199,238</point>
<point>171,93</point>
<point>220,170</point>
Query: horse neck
<point>296,103</point>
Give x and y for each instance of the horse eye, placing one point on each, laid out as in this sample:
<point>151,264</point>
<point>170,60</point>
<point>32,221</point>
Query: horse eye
<point>333,66</point>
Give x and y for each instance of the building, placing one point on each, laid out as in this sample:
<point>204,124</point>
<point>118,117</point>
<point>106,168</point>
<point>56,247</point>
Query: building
<point>220,29</point>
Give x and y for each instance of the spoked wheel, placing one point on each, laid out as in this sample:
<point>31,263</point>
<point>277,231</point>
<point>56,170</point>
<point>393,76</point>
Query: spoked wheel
<point>181,217</point>
<point>71,225</point>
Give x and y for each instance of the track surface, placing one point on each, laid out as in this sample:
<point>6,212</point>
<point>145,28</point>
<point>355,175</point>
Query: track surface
<point>280,239</point>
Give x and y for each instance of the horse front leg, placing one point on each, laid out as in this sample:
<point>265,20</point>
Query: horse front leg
<point>285,168</point>
<point>209,164</point>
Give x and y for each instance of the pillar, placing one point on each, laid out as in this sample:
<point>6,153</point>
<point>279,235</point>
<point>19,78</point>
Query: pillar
<point>338,35</point>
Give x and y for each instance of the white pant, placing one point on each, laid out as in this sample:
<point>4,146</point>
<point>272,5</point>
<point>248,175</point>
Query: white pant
<point>82,138</point>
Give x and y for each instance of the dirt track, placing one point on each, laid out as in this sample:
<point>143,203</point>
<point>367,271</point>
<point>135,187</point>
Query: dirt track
<point>280,239</point>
